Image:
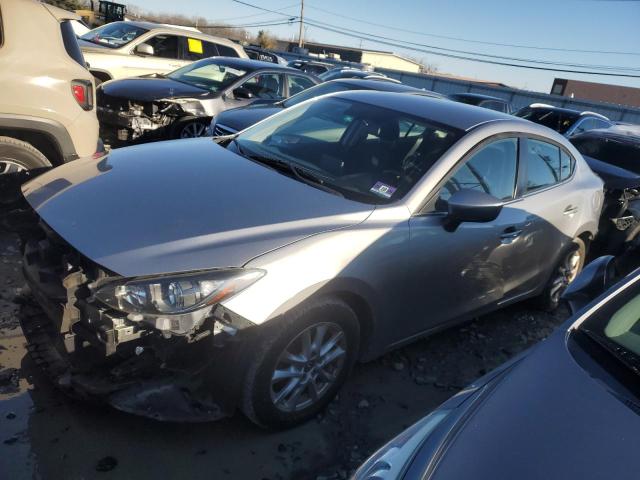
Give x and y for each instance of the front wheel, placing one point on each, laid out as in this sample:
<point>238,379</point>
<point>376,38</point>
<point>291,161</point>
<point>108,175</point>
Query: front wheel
<point>565,272</point>
<point>190,128</point>
<point>300,364</point>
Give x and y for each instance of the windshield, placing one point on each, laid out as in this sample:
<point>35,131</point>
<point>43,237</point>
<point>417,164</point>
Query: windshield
<point>368,153</point>
<point>609,150</point>
<point>114,35</point>
<point>208,75</point>
<point>557,120</point>
<point>322,89</point>
<point>616,327</point>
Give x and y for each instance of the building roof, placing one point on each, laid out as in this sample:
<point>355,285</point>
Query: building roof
<point>598,91</point>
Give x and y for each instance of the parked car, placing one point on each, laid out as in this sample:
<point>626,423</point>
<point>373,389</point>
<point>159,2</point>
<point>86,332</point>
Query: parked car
<point>182,103</point>
<point>47,114</point>
<point>256,272</point>
<point>566,408</point>
<point>338,73</point>
<point>312,67</point>
<point>563,120</point>
<point>484,101</point>
<point>236,119</point>
<point>614,155</point>
<point>129,49</point>
<point>257,53</point>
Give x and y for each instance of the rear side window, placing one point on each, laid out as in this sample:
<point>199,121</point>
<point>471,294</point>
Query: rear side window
<point>226,51</point>
<point>70,42</point>
<point>196,49</point>
<point>543,165</point>
<point>567,164</point>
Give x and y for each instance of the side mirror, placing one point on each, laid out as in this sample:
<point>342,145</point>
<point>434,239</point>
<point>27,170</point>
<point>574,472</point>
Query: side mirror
<point>594,279</point>
<point>471,206</point>
<point>144,49</point>
<point>242,92</point>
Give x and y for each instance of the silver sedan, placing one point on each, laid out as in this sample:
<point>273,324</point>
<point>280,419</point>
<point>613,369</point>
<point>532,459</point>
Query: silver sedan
<point>253,271</point>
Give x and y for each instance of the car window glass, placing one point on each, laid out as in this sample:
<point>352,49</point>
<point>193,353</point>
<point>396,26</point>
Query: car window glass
<point>225,51</point>
<point>566,165</point>
<point>410,129</point>
<point>584,125</point>
<point>601,123</point>
<point>196,49</point>
<point>621,154</point>
<point>298,84</point>
<point>164,46</point>
<point>543,165</point>
<point>492,170</point>
<point>268,86</point>
<point>114,35</point>
<point>493,105</point>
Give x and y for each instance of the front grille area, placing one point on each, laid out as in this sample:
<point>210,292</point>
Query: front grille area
<point>221,130</point>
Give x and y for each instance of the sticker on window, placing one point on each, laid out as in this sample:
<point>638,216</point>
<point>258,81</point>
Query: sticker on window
<point>195,45</point>
<point>383,189</point>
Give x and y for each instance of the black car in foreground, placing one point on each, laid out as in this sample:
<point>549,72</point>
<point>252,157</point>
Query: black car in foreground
<point>181,104</point>
<point>614,155</point>
<point>568,408</point>
<point>234,120</point>
<point>480,100</point>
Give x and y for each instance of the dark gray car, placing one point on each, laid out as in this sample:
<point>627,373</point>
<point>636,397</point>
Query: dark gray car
<point>185,279</point>
<point>236,119</point>
<point>566,409</point>
<point>180,104</point>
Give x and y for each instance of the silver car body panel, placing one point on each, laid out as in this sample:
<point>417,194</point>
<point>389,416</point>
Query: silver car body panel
<point>187,205</point>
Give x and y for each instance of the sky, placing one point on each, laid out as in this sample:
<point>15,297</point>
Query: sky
<point>595,25</point>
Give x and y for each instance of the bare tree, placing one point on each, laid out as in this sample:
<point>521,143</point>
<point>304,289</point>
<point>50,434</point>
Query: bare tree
<point>265,39</point>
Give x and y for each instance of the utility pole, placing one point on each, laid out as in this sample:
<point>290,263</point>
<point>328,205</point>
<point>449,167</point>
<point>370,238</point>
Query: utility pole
<point>300,38</point>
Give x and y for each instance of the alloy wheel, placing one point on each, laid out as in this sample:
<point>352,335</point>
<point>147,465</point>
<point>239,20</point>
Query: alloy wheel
<point>8,165</point>
<point>193,130</point>
<point>308,367</point>
<point>566,273</point>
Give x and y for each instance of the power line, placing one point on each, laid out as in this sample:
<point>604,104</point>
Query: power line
<point>247,4</point>
<point>250,25</point>
<point>496,57</point>
<point>479,60</point>
<point>482,42</point>
<point>255,14</point>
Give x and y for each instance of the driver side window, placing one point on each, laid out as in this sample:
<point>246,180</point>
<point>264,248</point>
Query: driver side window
<point>267,86</point>
<point>492,169</point>
<point>164,46</point>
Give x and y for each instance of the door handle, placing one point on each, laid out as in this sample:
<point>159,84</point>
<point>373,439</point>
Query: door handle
<point>510,235</point>
<point>570,210</point>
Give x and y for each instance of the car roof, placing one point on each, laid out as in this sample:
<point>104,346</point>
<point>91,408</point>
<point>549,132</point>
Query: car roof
<point>478,96</point>
<point>624,133</point>
<point>585,113</point>
<point>249,64</point>
<point>178,29</point>
<point>371,84</point>
<point>457,115</point>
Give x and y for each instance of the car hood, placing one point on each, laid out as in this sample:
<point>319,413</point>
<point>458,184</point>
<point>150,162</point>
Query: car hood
<point>151,88</point>
<point>612,176</point>
<point>241,118</point>
<point>545,418</point>
<point>179,206</point>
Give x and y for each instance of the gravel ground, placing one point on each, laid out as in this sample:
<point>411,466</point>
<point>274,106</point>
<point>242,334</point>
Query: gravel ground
<point>46,435</point>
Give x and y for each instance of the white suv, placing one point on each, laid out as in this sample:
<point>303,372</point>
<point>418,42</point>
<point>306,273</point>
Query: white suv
<point>129,49</point>
<point>47,113</point>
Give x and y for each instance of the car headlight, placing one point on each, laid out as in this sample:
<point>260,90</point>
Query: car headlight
<point>176,303</point>
<point>390,461</point>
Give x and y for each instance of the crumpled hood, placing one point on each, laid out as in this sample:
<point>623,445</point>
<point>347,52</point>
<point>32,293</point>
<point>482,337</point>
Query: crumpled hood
<point>241,118</point>
<point>546,418</point>
<point>179,206</point>
<point>147,89</point>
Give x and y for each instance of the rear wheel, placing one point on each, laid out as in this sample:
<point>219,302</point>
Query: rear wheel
<point>17,156</point>
<point>301,364</point>
<point>565,272</point>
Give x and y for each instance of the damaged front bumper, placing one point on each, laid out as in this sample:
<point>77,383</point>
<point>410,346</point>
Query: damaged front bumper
<point>94,353</point>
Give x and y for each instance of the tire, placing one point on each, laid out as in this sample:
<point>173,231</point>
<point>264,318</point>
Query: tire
<point>16,155</point>
<point>261,392</point>
<point>549,299</point>
<point>190,127</point>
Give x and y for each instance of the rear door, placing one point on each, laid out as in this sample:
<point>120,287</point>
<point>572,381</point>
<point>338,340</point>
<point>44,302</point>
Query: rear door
<point>553,201</point>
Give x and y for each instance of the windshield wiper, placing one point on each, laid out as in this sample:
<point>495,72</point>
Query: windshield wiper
<point>621,354</point>
<point>301,174</point>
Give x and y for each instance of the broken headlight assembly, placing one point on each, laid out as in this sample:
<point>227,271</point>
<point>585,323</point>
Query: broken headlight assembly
<point>187,105</point>
<point>175,304</point>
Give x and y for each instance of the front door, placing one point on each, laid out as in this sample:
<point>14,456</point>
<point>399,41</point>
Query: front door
<point>456,273</point>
